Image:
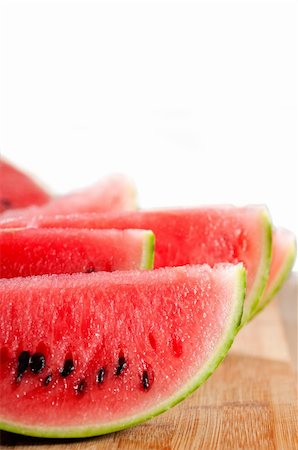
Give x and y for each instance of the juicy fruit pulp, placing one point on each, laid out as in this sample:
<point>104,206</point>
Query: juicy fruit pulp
<point>18,190</point>
<point>195,236</point>
<point>110,194</point>
<point>87,354</point>
<point>31,251</point>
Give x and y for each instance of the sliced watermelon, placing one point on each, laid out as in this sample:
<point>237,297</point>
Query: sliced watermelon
<point>283,258</point>
<point>18,189</point>
<point>113,193</point>
<point>88,354</point>
<point>194,236</point>
<point>32,251</point>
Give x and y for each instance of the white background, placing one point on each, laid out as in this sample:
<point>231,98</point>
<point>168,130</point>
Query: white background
<point>195,101</point>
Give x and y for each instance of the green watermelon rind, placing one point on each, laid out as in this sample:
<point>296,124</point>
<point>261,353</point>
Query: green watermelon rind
<point>204,373</point>
<point>263,271</point>
<point>287,267</point>
<point>147,261</point>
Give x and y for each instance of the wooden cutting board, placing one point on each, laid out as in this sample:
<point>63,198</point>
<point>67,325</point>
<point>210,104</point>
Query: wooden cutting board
<point>249,403</point>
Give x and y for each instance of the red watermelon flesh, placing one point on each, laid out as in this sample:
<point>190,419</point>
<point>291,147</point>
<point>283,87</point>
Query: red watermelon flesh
<point>32,251</point>
<point>112,193</point>
<point>18,189</point>
<point>194,236</point>
<point>283,258</point>
<point>88,354</point>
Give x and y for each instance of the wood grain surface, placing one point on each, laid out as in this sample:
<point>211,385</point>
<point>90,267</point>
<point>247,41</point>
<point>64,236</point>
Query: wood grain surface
<point>249,403</point>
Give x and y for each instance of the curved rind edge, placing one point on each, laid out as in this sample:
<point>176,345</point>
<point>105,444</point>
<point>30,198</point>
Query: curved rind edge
<point>264,268</point>
<point>147,261</point>
<point>219,354</point>
<point>287,267</point>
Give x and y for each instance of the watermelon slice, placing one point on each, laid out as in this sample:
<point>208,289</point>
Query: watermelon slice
<point>17,189</point>
<point>194,236</point>
<point>31,251</point>
<point>283,258</point>
<point>87,354</point>
<point>112,193</point>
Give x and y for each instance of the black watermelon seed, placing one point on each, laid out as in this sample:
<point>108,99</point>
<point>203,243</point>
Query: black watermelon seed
<point>145,380</point>
<point>37,362</point>
<point>90,268</point>
<point>80,386</point>
<point>100,375</point>
<point>23,362</point>
<point>48,379</point>
<point>121,365</point>
<point>6,203</point>
<point>67,368</point>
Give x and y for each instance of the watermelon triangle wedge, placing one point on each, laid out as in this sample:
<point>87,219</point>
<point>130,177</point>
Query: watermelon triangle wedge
<point>88,354</point>
<point>112,193</point>
<point>18,189</point>
<point>208,235</point>
<point>39,251</point>
<point>284,250</point>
